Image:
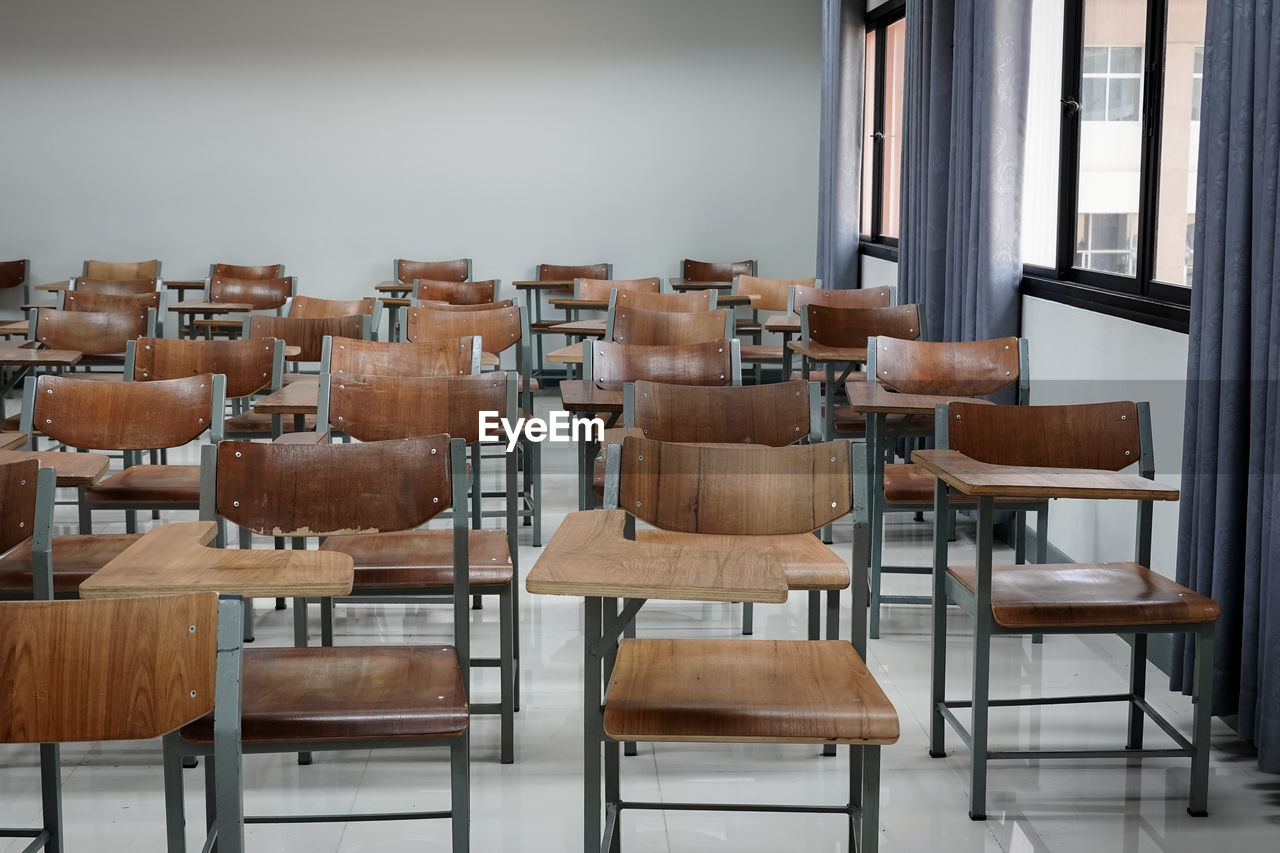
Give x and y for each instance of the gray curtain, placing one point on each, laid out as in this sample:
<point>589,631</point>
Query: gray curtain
<point>1228,541</point>
<point>966,94</point>
<point>840,144</point>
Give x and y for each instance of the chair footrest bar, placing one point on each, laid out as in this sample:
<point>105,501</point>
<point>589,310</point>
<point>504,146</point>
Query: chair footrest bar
<point>1045,700</point>
<point>342,818</point>
<point>6,832</point>
<point>737,807</point>
<point>40,840</point>
<point>906,599</point>
<point>486,708</point>
<point>1003,754</point>
<point>906,570</point>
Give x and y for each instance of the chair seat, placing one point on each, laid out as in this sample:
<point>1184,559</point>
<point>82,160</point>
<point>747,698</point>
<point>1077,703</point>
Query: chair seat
<point>806,562</point>
<point>422,559</point>
<point>746,691</point>
<point>148,484</point>
<point>313,695</point>
<point>760,352</point>
<point>1082,595</point>
<point>261,423</point>
<point>75,558</point>
<point>748,326</point>
<point>543,326</point>
<point>910,484</point>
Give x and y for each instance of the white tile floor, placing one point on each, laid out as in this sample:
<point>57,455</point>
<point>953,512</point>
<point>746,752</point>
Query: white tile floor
<point>113,793</point>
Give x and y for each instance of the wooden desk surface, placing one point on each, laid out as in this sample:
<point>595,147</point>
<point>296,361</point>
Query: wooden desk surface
<point>390,286</point>
<point>588,556</point>
<point>55,286</point>
<point>867,396</point>
<point>685,284</point>
<point>71,469</point>
<point>549,284</point>
<point>176,558</point>
<point>586,328</point>
<point>571,354</point>
<point>184,285</point>
<point>210,307</point>
<point>396,301</point>
<point>579,395</point>
<point>10,440</point>
<point>783,323</point>
<point>1012,481</point>
<point>300,397</point>
<point>17,355</point>
<point>822,352</point>
<point>15,327</point>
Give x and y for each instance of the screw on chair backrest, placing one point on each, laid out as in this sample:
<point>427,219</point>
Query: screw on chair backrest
<point>962,369</point>
<point>122,271</point>
<point>109,669</point>
<point>498,330</point>
<point>263,271</point>
<point>331,489</point>
<point>264,294</point>
<point>90,332</point>
<point>688,301</point>
<point>1105,436</point>
<point>90,300</point>
<point>444,357</point>
<point>458,270</point>
<point>867,297</point>
<point>850,327</point>
<point>307,333</point>
<point>456,292</point>
<point>609,365</point>
<point>735,489</point>
<point>773,415</point>
<point>601,288</point>
<point>691,270</point>
<point>249,364</point>
<point>312,306</point>
<point>774,294</point>
<point>639,327</point>
<point>92,415</point>
<point>134,286</point>
<point>377,408</point>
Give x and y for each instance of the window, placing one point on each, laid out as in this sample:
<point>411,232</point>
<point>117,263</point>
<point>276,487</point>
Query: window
<point>1111,88</point>
<point>1108,242</point>
<point>1197,81</point>
<point>882,122</point>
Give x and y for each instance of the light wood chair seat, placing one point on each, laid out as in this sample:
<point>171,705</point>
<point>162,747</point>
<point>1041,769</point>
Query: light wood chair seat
<point>746,691</point>
<point>1078,595</point>
<point>806,562</point>
<point>75,558</point>
<point>145,484</point>
<point>312,695</point>
<point>261,423</point>
<point>406,559</point>
<point>911,484</point>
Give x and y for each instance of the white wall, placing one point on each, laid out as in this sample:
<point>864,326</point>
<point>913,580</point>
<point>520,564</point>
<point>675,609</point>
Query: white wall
<point>333,136</point>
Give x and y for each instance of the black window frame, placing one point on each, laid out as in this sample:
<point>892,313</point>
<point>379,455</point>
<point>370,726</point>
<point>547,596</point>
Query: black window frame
<point>878,20</point>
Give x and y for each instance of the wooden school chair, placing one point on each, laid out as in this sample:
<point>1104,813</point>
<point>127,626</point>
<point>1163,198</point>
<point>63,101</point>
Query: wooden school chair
<point>740,691</point>
<point>609,365</point>
<point>129,417</point>
<point>455,292</point>
<point>692,271</point>
<point>556,272</point>
<point>240,271</point>
<point>121,271</point>
<point>260,294</point>
<point>444,357</point>
<point>134,286</point>
<point>349,697</point>
<point>601,289</point>
<point>106,670</point>
<point>640,327</point>
<point>101,336</point>
<point>868,297</point>
<point>772,295</point>
<point>115,303</point>
<point>1044,452</point>
<point>307,333</point>
<point>311,306</point>
<point>407,271</point>
<point>945,369</point>
<point>689,301</point>
<point>417,562</point>
<point>14,274</point>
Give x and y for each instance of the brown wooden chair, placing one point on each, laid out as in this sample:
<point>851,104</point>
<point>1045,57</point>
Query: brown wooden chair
<point>455,292</point>
<point>868,297</point>
<point>312,306</point>
<point>417,562</point>
<point>133,286</point>
<point>444,357</point>
<point>691,270</point>
<point>91,300</point>
<point>603,288</point>
<point>539,327</point>
<point>610,365</point>
<point>407,271</point>
<point>239,271</point>
<point>741,691</point>
<point>771,295</point>
<point>686,302</point>
<point>1125,598</point>
<point>112,669</point>
<point>129,417</point>
<point>261,294</point>
<point>14,274</point>
<point>307,333</point>
<point>359,697</point>
<point>101,336</point>
<point>664,328</point>
<point>122,271</point>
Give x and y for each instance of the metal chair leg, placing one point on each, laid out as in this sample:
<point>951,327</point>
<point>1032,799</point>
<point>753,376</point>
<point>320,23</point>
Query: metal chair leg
<point>748,618</point>
<point>51,794</point>
<point>460,792</point>
<point>507,673</point>
<point>174,810</point>
<point>1203,698</point>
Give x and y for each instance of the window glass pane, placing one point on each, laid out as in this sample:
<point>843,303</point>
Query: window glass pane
<point>894,84</point>
<point>1180,140</point>
<point>1111,136</point>
<point>868,128</point>
<point>1095,58</point>
<point>1044,136</point>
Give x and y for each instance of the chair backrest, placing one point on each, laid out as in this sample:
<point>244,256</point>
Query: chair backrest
<point>773,415</point>
<point>869,297</point>
<point>687,302</point>
<point>407,271</point>
<point>456,292</point>
<point>568,272</point>
<point>610,365</point>
<point>1106,436</point>
<point>691,270</point>
<point>377,408</point>
<point>601,288</point>
<point>111,669</point>
<point>89,300</point>
<point>91,332</point>
<point>264,294</point>
<point>961,369</point>
<point>851,327</point>
<point>249,364</point>
<point>12,273</point>
<point>662,328</point>
<point>17,501</point>
<point>135,286</point>
<point>445,357</point>
<point>498,330</point>
<point>306,333</point>
<point>478,306</point>
<point>313,306</point>
<point>735,489</point>
<point>251,272</point>
<point>326,489</point>
<point>774,294</point>
<point>91,415</point>
<point>122,271</point>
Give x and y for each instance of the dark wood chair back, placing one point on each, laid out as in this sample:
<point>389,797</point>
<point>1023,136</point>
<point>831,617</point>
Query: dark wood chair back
<point>246,362</point>
<point>691,270</point>
<point>17,501</point>
<point>962,369</point>
<point>736,489</point>
<point>265,271</point>
<point>664,328</point>
<point>264,294</point>
<point>12,273</point>
<point>92,415</point>
<point>330,489</point>
<point>1106,436</point>
<point>498,330</point>
<point>773,415</point>
<point>869,297</point>
<point>306,333</point>
<point>563,272</point>
<point>312,306</point>
<point>122,271</point>
<point>613,364</point>
<point>600,288</point>
<point>91,332</point>
<point>377,408</point>
<point>407,271</point>
<point>774,294</point>
<point>130,287</point>
<point>456,292</point>
<point>89,300</point>
<point>687,302</point>
<point>111,669</point>
<point>850,327</point>
<point>444,357</point>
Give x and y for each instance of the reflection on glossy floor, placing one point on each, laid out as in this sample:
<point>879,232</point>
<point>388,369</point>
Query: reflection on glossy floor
<point>113,792</point>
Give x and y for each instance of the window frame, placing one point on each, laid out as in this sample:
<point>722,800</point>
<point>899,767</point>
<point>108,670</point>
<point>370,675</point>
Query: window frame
<point>879,21</point>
